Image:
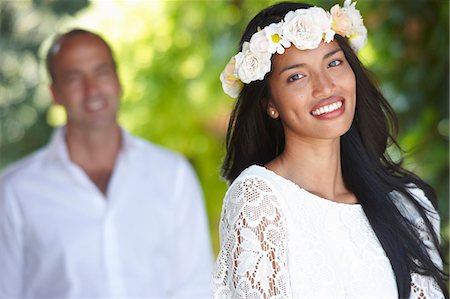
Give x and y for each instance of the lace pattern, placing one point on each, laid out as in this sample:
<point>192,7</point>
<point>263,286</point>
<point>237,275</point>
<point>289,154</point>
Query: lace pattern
<point>422,286</point>
<point>332,250</point>
<point>252,260</point>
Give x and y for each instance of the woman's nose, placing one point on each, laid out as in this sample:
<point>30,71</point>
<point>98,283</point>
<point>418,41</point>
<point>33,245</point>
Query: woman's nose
<point>323,85</point>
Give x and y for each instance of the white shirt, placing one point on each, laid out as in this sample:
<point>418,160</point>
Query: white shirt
<point>60,237</point>
<point>281,241</point>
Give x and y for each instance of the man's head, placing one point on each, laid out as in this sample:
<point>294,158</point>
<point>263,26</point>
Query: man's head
<point>84,79</point>
<point>59,40</point>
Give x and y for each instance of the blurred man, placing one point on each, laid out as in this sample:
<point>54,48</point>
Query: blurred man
<point>98,212</point>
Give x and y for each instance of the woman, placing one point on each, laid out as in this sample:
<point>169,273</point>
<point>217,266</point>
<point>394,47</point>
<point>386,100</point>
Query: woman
<point>316,207</point>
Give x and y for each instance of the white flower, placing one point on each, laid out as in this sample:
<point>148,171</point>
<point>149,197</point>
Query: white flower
<point>303,28</point>
<point>347,21</point>
<point>354,15</point>
<point>358,36</point>
<point>321,18</point>
<point>259,45</point>
<point>357,41</point>
<point>329,35</point>
<point>231,85</point>
<point>250,66</point>
<point>277,42</point>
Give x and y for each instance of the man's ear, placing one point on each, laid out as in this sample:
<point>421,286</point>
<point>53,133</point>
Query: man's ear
<point>54,91</point>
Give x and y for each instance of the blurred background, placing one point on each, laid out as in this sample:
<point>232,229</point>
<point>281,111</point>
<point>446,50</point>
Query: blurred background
<point>170,55</point>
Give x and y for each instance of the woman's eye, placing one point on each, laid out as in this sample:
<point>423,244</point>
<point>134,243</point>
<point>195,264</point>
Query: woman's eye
<point>295,77</point>
<point>335,63</point>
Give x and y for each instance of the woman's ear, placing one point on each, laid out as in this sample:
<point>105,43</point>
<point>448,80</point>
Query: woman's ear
<point>271,110</point>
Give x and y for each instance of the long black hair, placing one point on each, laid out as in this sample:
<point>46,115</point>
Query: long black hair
<point>255,138</point>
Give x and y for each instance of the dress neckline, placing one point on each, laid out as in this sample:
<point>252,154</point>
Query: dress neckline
<point>312,195</point>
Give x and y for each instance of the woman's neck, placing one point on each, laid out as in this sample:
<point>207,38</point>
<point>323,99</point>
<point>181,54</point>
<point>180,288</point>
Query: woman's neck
<point>314,165</point>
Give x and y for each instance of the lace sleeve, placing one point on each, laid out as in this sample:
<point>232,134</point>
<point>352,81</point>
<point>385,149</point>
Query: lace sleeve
<point>423,286</point>
<point>252,258</point>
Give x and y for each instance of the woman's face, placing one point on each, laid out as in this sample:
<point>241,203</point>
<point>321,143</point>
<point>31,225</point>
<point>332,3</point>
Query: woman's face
<point>313,92</point>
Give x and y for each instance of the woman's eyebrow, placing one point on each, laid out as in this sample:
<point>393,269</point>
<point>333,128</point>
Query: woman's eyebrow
<point>293,66</point>
<point>331,53</point>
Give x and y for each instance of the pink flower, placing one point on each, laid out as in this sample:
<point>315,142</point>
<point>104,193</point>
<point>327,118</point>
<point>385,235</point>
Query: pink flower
<point>230,83</point>
<point>342,24</point>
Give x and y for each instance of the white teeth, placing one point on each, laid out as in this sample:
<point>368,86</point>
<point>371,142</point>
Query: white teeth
<point>327,108</point>
<point>94,105</point>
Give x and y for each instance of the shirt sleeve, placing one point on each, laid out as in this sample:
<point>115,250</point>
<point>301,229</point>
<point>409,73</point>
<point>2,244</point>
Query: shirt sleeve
<point>423,286</point>
<point>11,244</point>
<point>252,262</point>
<point>193,259</point>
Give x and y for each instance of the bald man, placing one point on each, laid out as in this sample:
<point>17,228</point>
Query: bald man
<point>99,213</point>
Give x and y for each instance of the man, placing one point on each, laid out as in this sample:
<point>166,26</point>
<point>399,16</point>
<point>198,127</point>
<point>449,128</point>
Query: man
<point>97,212</point>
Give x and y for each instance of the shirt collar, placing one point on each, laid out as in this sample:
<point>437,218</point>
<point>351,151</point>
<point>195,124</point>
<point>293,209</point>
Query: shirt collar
<point>58,146</point>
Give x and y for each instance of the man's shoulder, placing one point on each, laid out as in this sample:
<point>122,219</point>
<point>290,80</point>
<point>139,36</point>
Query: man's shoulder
<point>156,153</point>
<point>27,165</point>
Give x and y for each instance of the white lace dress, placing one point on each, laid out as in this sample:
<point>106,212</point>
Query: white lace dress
<point>280,241</point>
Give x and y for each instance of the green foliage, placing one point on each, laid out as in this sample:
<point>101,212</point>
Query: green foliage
<point>170,55</point>
<point>24,98</point>
<point>411,43</point>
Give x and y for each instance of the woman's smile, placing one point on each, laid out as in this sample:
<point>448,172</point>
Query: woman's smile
<point>320,103</point>
<point>329,108</point>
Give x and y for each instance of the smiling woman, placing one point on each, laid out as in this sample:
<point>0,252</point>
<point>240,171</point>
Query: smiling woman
<point>318,83</point>
<point>316,207</point>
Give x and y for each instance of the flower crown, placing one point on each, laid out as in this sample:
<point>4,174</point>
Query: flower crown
<point>305,28</point>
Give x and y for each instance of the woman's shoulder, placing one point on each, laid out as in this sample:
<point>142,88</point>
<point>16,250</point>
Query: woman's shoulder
<point>411,210</point>
<point>253,234</point>
<point>255,171</point>
<point>252,182</point>
<point>408,208</point>
<point>254,189</point>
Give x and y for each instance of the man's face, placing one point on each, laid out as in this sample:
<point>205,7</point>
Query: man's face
<point>86,82</point>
